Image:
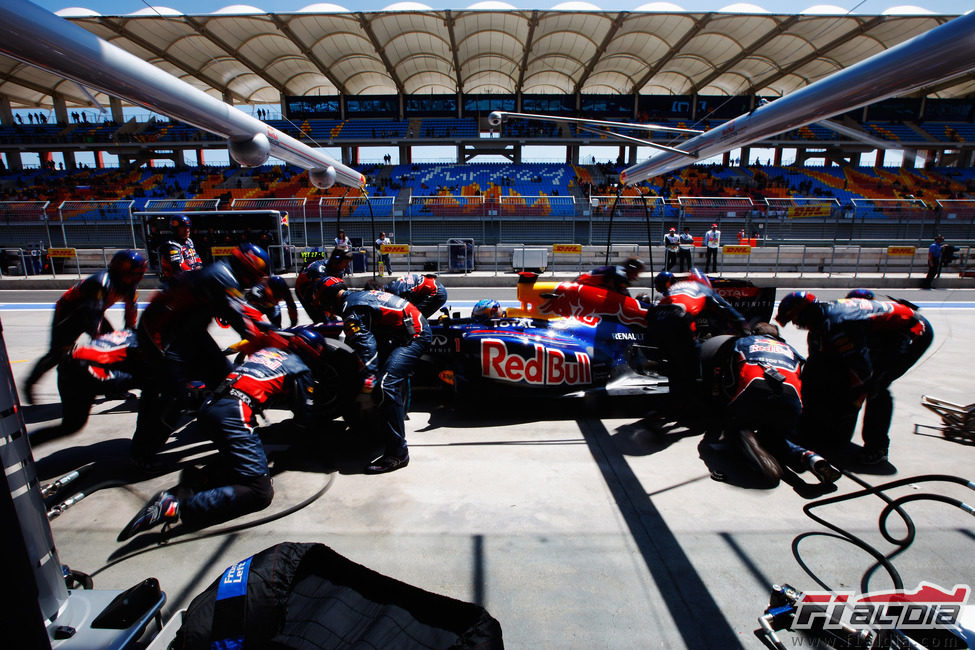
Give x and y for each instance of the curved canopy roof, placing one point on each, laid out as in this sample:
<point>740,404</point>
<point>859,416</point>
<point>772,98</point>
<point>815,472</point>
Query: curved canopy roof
<point>248,56</point>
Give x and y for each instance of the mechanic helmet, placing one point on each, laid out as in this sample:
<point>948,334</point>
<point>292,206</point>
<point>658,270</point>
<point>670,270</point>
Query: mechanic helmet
<point>697,275</point>
<point>792,306</point>
<point>179,221</point>
<point>633,267</point>
<point>127,267</point>
<point>866,294</point>
<point>307,343</point>
<point>307,277</point>
<point>486,309</point>
<point>663,281</point>
<point>250,264</point>
<point>327,290</point>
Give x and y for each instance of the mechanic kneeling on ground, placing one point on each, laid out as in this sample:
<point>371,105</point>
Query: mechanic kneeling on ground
<point>857,348</point>
<point>389,335</point>
<point>765,404</point>
<point>269,378</point>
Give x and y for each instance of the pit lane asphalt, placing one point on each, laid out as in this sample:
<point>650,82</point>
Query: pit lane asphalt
<point>577,527</point>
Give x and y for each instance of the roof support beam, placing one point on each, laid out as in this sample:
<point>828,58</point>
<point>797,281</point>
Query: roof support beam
<point>745,53</point>
<point>289,33</point>
<point>947,83</point>
<point>610,35</point>
<point>863,28</point>
<point>532,24</point>
<point>201,28</point>
<point>453,50</point>
<point>119,28</point>
<point>380,51</point>
<point>674,51</point>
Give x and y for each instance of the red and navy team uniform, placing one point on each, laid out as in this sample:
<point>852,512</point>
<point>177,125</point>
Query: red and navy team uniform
<point>767,395</point>
<point>81,310</point>
<point>857,348</point>
<point>305,285</point>
<point>267,297</point>
<point>107,365</point>
<point>269,378</point>
<point>389,335</point>
<point>423,290</point>
<point>177,257</point>
<point>178,349</point>
<point>673,328</point>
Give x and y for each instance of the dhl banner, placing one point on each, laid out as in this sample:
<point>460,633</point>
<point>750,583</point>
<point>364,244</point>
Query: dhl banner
<point>395,249</point>
<point>222,251</point>
<point>799,211</point>
<point>900,251</point>
<point>62,252</point>
<point>567,249</point>
<point>737,249</point>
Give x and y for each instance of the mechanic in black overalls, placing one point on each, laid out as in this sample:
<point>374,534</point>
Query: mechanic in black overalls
<point>389,335</point>
<point>178,349</point>
<point>178,255</point>
<point>267,297</point>
<point>269,378</point>
<point>421,289</point>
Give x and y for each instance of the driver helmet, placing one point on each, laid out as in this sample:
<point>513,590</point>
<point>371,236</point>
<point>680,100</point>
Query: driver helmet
<point>793,305</point>
<point>127,268</point>
<point>663,281</point>
<point>486,309</point>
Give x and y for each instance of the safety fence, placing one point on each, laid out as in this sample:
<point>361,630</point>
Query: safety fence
<point>429,220</point>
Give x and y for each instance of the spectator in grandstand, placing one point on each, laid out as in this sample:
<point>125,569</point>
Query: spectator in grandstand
<point>179,253</point>
<point>671,248</point>
<point>81,310</point>
<point>934,262</point>
<point>383,257</point>
<point>685,255</point>
<point>712,242</point>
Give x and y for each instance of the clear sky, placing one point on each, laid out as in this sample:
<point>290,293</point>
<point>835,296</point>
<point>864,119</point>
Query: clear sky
<point>121,7</point>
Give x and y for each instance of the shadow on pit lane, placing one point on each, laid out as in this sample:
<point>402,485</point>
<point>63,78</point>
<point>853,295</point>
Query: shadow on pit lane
<point>516,409</point>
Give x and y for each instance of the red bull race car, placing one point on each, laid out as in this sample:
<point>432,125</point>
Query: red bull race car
<point>563,340</point>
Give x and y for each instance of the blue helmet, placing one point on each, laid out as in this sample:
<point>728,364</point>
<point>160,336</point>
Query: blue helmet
<point>127,267</point>
<point>179,221</point>
<point>663,281</point>
<point>866,294</point>
<point>250,264</point>
<point>307,343</point>
<point>486,309</point>
<point>792,306</point>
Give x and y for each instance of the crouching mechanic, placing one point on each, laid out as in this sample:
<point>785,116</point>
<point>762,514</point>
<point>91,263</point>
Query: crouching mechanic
<point>268,378</point>
<point>81,310</point>
<point>857,348</point>
<point>616,278</point>
<point>765,404</point>
<point>389,335</point>
<point>178,349</point>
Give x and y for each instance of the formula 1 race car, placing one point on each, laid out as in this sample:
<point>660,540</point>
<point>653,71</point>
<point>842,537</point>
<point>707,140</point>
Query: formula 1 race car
<point>564,340</point>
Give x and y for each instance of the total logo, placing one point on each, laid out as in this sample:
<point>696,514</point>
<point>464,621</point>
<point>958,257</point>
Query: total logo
<point>547,367</point>
<point>923,608</point>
